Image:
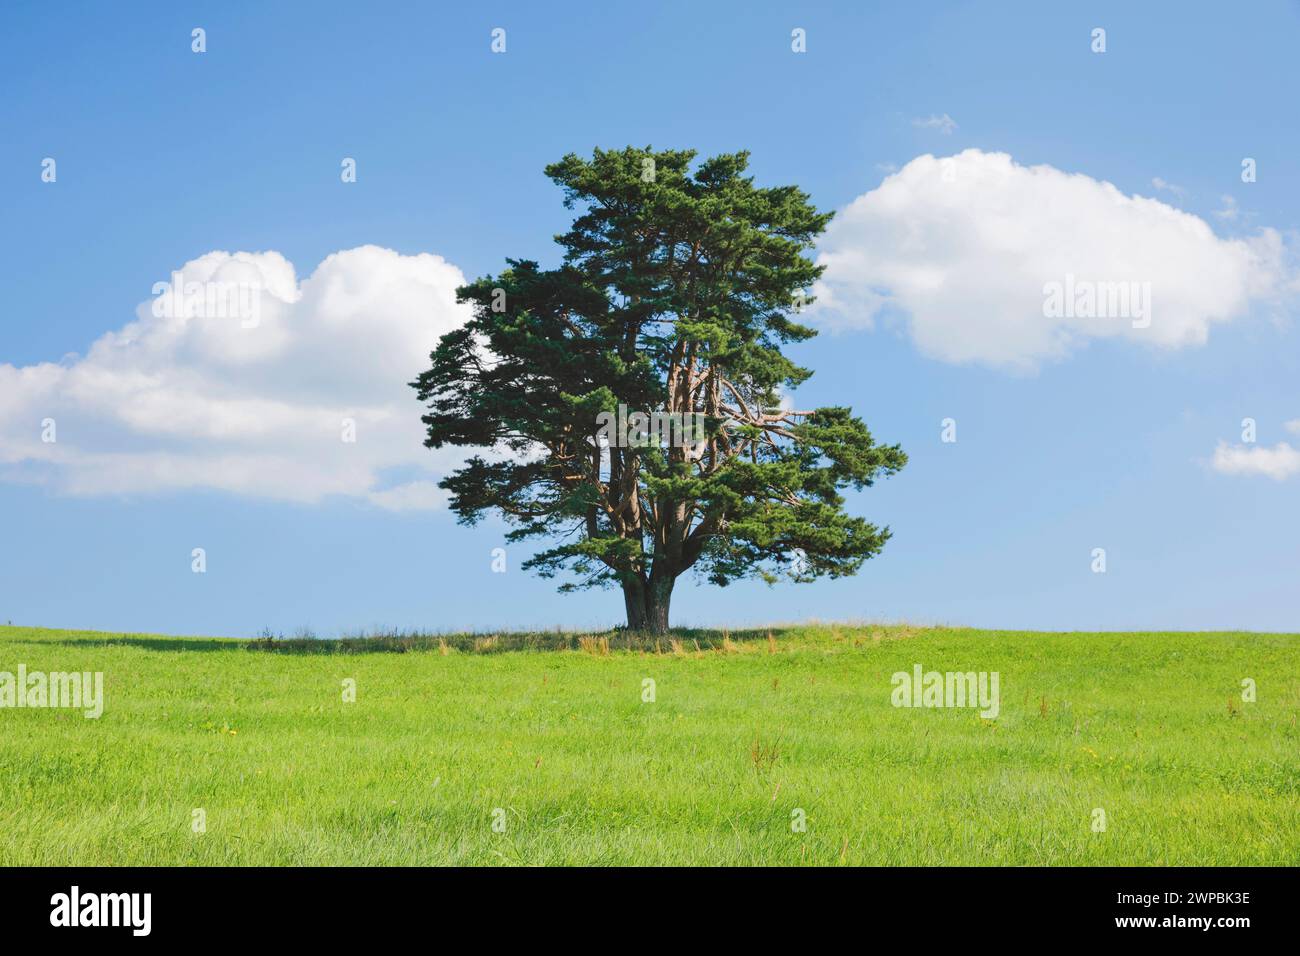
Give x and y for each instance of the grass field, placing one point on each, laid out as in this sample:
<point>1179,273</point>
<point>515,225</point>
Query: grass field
<point>548,736</point>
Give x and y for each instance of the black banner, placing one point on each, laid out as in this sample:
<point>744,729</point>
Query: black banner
<point>335,905</point>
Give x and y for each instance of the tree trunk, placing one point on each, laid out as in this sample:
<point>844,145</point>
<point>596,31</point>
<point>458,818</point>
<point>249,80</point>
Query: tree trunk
<point>634,600</point>
<point>647,605</point>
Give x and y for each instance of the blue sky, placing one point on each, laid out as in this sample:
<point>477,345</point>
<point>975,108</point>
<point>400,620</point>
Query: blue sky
<point>164,155</point>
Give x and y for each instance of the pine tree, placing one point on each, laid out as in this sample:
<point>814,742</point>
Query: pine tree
<point>676,294</point>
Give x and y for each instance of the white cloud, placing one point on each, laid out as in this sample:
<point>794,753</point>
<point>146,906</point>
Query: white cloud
<point>1279,462</point>
<point>412,496</point>
<point>1168,187</point>
<point>1293,426</point>
<point>1230,211</point>
<point>255,402</point>
<point>962,249</point>
<point>944,124</point>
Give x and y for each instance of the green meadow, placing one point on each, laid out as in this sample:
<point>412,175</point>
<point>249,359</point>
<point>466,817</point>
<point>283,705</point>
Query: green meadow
<point>755,750</point>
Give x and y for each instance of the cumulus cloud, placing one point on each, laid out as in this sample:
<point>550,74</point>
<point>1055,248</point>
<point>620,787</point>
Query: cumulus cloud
<point>257,390</point>
<point>970,252</point>
<point>1279,462</point>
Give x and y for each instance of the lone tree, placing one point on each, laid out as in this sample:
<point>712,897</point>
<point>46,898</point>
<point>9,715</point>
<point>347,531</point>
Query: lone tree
<point>673,301</point>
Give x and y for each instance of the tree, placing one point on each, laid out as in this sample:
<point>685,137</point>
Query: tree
<point>675,296</point>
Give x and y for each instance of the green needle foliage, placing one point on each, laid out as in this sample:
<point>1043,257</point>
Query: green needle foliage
<point>675,297</point>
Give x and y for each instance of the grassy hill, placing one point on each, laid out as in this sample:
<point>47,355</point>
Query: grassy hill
<point>548,737</point>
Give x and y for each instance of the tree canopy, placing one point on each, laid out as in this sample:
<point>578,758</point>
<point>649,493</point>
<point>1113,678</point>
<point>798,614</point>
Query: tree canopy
<point>679,287</point>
